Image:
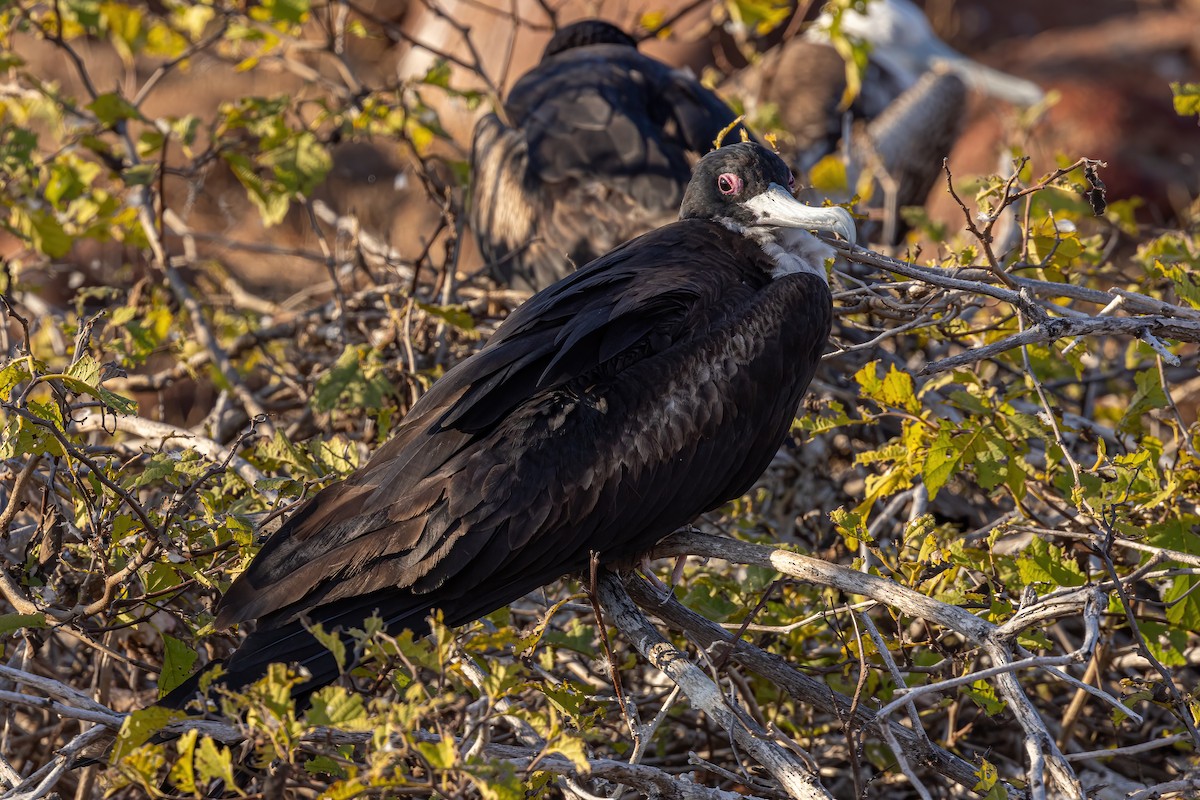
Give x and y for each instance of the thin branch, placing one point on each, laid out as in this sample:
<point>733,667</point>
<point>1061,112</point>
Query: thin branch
<point>150,429</point>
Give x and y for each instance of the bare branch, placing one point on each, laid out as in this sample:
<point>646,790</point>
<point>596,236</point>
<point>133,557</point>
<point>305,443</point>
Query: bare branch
<point>792,773</point>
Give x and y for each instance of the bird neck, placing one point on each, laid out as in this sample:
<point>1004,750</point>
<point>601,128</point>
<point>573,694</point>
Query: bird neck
<point>792,251</point>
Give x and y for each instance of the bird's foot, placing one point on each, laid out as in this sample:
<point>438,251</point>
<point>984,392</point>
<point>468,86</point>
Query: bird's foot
<point>665,591</point>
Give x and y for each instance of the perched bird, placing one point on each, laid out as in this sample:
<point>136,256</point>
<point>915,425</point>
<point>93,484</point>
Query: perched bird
<point>909,109</point>
<point>652,385</point>
<point>597,148</point>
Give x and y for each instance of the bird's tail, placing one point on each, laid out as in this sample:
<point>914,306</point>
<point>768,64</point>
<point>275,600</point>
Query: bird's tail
<point>293,643</point>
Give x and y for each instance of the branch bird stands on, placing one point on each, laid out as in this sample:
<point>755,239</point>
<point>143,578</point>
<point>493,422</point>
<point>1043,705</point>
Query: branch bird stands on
<point>652,385</point>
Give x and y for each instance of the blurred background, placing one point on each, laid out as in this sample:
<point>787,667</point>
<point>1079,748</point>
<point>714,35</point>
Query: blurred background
<point>1105,65</point>
<point>320,273</point>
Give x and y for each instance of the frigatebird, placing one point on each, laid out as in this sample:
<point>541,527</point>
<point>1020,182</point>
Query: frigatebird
<point>652,385</point>
<point>596,148</point>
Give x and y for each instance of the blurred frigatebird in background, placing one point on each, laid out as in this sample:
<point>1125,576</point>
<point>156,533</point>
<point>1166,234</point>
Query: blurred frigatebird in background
<point>596,147</point>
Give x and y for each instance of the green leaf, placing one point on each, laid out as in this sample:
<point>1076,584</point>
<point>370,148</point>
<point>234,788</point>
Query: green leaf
<point>1179,534</point>
<point>439,74</point>
<point>894,389</point>
<point>1174,256</point>
<point>332,641</point>
<point>440,755</point>
<point>178,659</point>
<point>214,762</point>
<point>855,52</point>
<point>355,381</point>
<point>48,412</point>
<point>68,180</point>
<point>300,162</point>
<point>119,403</point>
<point>271,199</point>
<point>457,316</point>
<point>1041,562</point>
<point>1149,396</point>
<point>984,696</point>
<point>829,175</point>
<point>989,782</point>
<point>989,457</point>
<point>527,643</point>
<point>1183,602</point>
<point>831,416</point>
<point>111,108</point>
<point>324,765</point>
<point>139,726</point>
<point>501,782</point>
<point>1165,643</point>
<point>573,749</point>
<point>941,462</point>
<point>334,707</point>
<point>183,773</point>
<point>140,175</point>
<point>85,370</point>
<point>13,374</point>
<point>290,11</point>
<point>501,678</point>
<point>42,229</point>
<point>761,16</point>
<point>1057,244</point>
<point>84,378</point>
<point>16,622</point>
<point>851,526</point>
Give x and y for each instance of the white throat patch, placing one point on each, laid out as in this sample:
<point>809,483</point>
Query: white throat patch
<point>792,250</point>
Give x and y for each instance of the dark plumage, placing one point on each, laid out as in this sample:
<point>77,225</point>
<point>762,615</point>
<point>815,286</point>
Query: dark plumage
<point>597,148</point>
<point>652,385</point>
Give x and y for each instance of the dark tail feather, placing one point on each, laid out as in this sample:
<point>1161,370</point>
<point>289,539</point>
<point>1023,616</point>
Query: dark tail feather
<point>187,691</point>
<point>293,644</point>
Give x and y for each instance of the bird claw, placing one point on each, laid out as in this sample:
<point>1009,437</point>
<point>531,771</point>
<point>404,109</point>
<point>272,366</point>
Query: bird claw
<point>663,591</point>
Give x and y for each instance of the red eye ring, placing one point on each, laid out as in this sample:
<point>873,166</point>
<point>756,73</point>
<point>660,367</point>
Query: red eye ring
<point>730,184</point>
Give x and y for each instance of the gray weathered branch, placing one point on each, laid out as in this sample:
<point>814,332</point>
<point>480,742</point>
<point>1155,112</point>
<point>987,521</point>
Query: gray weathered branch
<point>785,766</point>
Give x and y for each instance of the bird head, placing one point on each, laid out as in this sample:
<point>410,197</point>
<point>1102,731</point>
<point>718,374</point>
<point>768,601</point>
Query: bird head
<point>750,189</point>
<point>585,33</point>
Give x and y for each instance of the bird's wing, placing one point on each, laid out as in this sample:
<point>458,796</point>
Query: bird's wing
<point>500,215</point>
<point>464,466</point>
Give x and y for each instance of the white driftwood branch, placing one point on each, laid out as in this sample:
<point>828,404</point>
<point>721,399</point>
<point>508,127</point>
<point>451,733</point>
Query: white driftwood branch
<point>151,430</point>
<point>786,767</point>
<point>41,783</point>
<point>856,716</point>
<point>1152,318</point>
<point>1042,752</point>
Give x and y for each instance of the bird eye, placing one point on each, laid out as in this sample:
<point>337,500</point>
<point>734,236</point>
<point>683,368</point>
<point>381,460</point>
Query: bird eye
<point>729,183</point>
<point>791,183</point>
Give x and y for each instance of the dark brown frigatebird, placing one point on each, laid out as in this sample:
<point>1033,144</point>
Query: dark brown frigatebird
<point>597,148</point>
<point>654,384</point>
